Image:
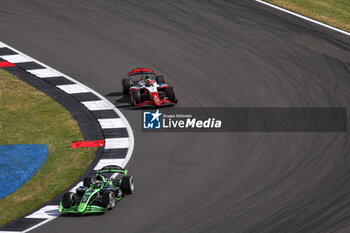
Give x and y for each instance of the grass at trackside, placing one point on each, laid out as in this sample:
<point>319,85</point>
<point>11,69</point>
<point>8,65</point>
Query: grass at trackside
<point>332,12</point>
<point>29,116</point>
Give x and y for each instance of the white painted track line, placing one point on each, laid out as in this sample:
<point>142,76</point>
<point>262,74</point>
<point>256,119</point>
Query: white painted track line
<point>116,143</point>
<point>105,162</point>
<point>303,17</point>
<point>11,231</point>
<point>38,225</point>
<point>49,211</point>
<point>16,58</point>
<point>97,105</point>
<point>44,73</point>
<point>73,88</point>
<point>112,123</point>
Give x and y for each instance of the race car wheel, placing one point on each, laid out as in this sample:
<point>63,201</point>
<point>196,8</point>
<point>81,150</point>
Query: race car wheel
<point>127,184</point>
<point>136,97</point>
<point>170,93</point>
<point>108,200</point>
<point>68,199</point>
<point>88,181</point>
<point>126,83</point>
<point>81,190</point>
<point>160,79</point>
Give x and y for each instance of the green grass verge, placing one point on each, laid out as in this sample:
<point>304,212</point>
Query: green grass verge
<point>332,12</point>
<point>29,116</point>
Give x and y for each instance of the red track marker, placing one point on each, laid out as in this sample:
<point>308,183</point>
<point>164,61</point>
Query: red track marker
<point>98,143</point>
<point>6,64</point>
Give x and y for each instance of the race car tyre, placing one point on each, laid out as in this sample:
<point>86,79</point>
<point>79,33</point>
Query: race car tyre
<point>126,83</point>
<point>127,184</point>
<point>108,200</point>
<point>160,79</point>
<point>136,97</point>
<point>88,181</point>
<point>170,93</point>
<point>68,199</point>
<point>80,191</point>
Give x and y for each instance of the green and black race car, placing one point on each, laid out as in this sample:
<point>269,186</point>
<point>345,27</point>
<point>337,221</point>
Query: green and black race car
<point>99,194</point>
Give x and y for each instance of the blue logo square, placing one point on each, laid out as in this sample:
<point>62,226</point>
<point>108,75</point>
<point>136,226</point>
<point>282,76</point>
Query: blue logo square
<point>151,120</point>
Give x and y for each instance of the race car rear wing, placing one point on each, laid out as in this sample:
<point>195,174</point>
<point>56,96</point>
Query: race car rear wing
<point>141,71</point>
<point>112,169</point>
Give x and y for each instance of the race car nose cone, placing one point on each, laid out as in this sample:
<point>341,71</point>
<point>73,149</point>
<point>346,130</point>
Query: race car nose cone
<point>81,208</point>
<point>156,100</point>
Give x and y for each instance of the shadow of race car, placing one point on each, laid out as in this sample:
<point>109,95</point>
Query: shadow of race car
<point>99,194</point>
<point>145,88</point>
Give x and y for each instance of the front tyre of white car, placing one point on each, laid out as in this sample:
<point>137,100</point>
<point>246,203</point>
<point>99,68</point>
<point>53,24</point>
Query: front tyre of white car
<point>126,83</point>
<point>170,93</point>
<point>135,98</point>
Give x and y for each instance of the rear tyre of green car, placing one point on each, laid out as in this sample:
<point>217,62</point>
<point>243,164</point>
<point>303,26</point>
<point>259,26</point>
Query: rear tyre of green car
<point>127,185</point>
<point>88,181</point>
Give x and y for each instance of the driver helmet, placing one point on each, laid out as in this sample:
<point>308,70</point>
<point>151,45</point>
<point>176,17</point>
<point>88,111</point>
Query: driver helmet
<point>147,78</point>
<point>99,177</point>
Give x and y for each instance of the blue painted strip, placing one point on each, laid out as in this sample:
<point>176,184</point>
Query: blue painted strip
<point>18,163</point>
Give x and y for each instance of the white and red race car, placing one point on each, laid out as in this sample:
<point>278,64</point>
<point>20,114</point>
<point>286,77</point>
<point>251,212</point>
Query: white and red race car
<point>147,89</point>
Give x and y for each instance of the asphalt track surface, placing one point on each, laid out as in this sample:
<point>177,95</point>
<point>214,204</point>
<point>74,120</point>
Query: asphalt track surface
<point>216,53</point>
